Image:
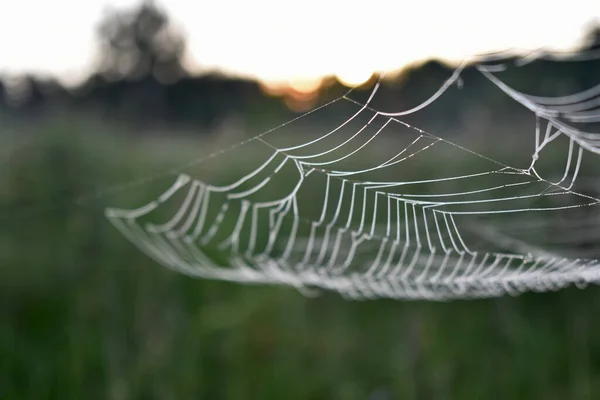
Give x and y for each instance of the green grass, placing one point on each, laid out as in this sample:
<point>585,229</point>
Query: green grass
<point>86,315</point>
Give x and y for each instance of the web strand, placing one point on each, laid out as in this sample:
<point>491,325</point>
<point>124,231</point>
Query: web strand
<point>366,236</point>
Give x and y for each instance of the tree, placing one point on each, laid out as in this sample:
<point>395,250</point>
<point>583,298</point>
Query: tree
<point>592,40</point>
<point>140,42</point>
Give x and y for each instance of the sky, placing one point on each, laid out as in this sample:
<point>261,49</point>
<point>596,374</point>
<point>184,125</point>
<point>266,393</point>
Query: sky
<point>277,40</point>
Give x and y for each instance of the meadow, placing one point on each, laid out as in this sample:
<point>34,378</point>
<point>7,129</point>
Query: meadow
<point>87,315</point>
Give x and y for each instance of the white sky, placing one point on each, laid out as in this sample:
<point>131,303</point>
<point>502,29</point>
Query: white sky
<point>277,39</point>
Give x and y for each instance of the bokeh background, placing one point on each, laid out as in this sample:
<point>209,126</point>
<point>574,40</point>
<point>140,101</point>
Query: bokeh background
<point>98,105</point>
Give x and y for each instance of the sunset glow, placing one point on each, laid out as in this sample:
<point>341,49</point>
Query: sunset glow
<point>297,42</point>
<point>352,78</point>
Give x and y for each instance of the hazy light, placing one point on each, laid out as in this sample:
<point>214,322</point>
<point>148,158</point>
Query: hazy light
<point>305,85</point>
<point>353,78</point>
<point>282,41</point>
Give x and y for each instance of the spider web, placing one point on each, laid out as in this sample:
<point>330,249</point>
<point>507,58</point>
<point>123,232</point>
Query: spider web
<point>361,209</point>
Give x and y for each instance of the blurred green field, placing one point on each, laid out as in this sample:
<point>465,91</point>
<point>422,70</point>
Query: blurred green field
<point>86,315</point>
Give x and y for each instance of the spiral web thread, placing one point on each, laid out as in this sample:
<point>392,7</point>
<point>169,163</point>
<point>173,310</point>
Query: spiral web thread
<point>348,228</point>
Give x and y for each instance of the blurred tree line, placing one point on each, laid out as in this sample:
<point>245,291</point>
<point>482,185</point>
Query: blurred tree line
<point>140,78</point>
